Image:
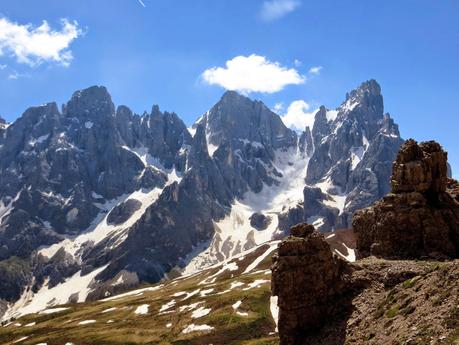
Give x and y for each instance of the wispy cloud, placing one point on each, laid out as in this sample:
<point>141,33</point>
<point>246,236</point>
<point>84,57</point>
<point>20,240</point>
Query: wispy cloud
<point>142,3</point>
<point>315,70</point>
<point>16,75</point>
<point>253,73</point>
<point>34,45</point>
<point>276,9</point>
<point>298,116</point>
<point>2,67</point>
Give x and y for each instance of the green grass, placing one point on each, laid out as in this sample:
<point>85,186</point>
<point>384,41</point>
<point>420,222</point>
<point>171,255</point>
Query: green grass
<point>129,328</point>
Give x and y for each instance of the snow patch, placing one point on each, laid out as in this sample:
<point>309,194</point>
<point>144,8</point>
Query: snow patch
<point>350,256</point>
<point>60,294</point>
<point>53,310</point>
<point>274,310</point>
<point>137,292</point>
<point>99,229</point>
<point>20,339</point>
<point>356,156</point>
<point>197,328</point>
<point>255,284</point>
<point>200,312</point>
<point>167,306</point>
<point>86,322</point>
<point>258,260</point>
<point>189,307</point>
<point>142,309</point>
<point>331,115</point>
<point>109,310</point>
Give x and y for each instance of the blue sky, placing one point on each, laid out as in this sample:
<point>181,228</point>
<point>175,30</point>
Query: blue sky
<point>157,54</point>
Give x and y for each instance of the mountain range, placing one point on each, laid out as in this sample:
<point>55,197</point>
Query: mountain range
<point>95,199</point>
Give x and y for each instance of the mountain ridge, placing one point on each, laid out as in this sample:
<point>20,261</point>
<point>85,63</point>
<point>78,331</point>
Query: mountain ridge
<point>183,199</point>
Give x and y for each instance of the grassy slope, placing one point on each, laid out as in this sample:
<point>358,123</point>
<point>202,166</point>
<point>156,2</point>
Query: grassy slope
<point>130,328</point>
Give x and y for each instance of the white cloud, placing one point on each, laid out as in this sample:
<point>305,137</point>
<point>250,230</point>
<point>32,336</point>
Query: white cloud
<point>275,9</point>
<point>253,73</point>
<point>278,107</point>
<point>33,45</point>
<point>297,63</point>
<point>297,116</point>
<point>315,70</point>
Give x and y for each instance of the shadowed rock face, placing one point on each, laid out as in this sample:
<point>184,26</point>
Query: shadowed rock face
<point>419,218</point>
<point>307,278</point>
<point>123,212</point>
<point>259,221</point>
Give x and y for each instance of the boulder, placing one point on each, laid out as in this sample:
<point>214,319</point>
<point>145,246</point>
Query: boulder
<point>259,221</point>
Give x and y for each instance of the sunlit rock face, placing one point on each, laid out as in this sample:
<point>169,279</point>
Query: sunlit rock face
<point>419,218</point>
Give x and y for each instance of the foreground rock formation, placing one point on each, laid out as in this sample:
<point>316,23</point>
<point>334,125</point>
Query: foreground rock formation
<point>307,278</point>
<point>325,300</point>
<point>419,218</point>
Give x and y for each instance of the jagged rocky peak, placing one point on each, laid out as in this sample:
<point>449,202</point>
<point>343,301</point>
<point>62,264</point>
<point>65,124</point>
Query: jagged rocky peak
<point>91,103</point>
<point>420,217</point>
<point>353,148</point>
<point>236,117</point>
<point>368,94</point>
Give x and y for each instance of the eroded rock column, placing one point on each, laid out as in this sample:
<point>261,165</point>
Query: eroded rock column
<point>307,278</point>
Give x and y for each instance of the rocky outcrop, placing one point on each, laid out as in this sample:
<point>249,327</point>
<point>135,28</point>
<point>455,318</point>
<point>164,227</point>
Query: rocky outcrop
<point>324,300</point>
<point>308,280</point>
<point>259,221</point>
<point>419,218</point>
<point>122,212</point>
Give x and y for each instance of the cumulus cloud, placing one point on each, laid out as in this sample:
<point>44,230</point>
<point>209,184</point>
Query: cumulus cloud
<point>298,117</point>
<point>34,45</point>
<point>253,73</point>
<point>315,70</point>
<point>275,9</point>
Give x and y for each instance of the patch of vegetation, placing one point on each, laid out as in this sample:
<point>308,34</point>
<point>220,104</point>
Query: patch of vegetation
<point>440,299</point>
<point>393,312</point>
<point>409,283</point>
